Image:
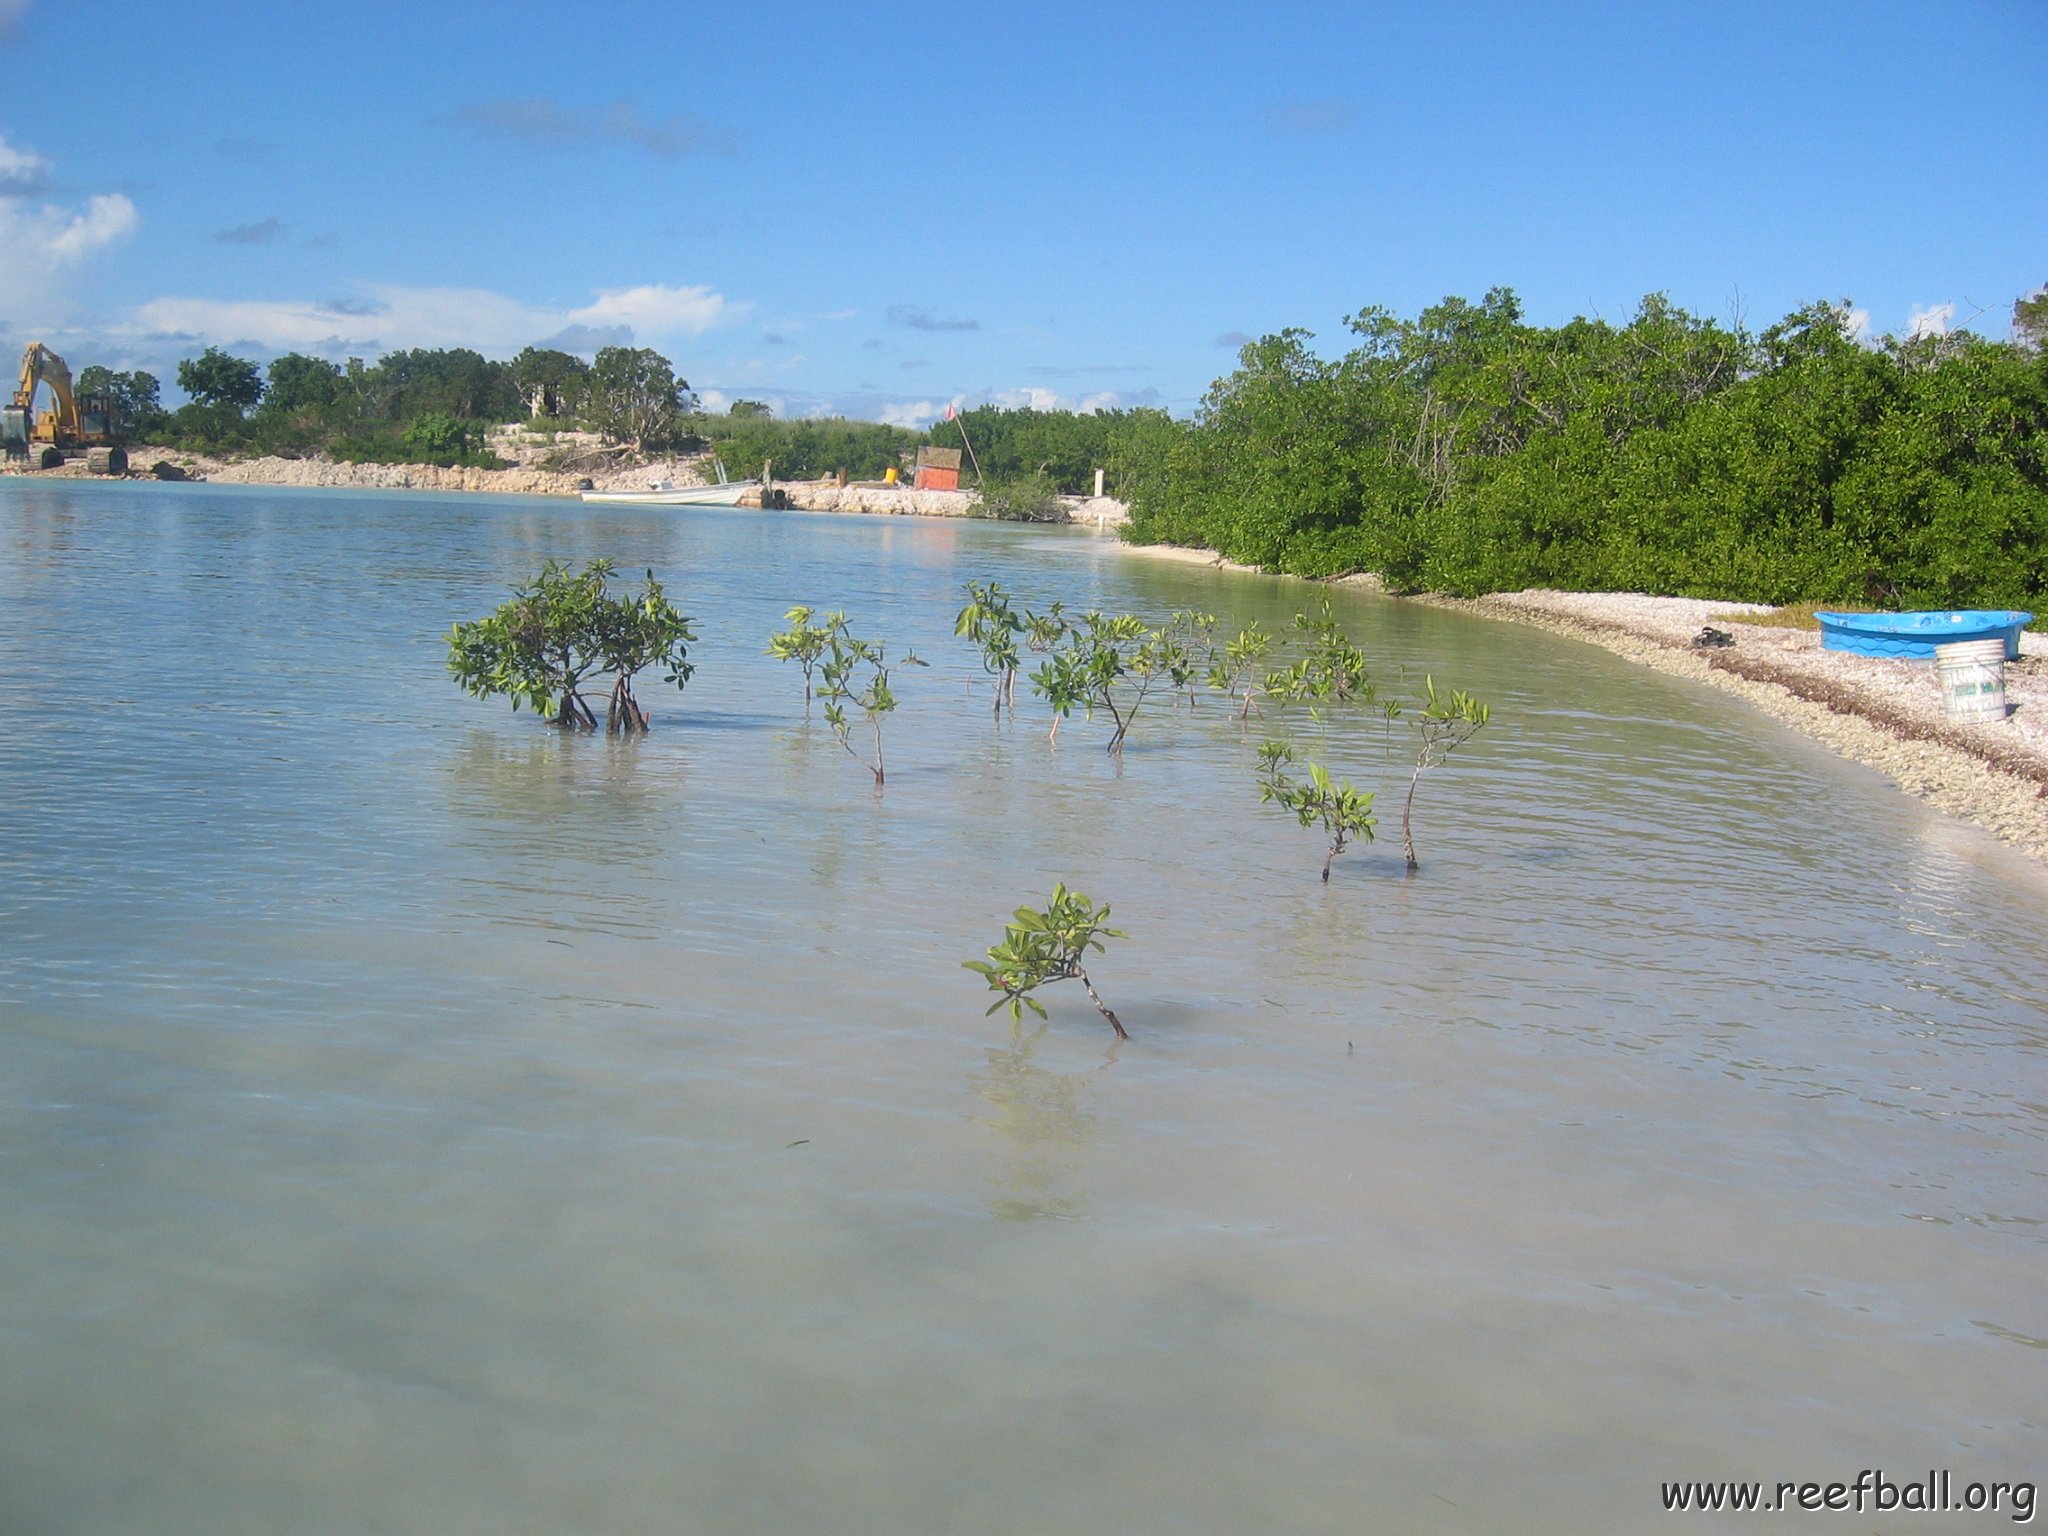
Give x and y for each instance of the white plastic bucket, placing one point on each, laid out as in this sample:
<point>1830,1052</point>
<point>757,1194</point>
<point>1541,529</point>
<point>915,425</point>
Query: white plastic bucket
<point>1972,678</point>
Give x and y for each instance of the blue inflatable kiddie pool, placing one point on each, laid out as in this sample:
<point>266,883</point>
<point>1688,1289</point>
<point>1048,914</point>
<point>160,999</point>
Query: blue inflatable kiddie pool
<point>1913,636</point>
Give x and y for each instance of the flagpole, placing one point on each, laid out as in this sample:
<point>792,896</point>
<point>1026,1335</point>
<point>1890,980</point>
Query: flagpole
<point>961,422</point>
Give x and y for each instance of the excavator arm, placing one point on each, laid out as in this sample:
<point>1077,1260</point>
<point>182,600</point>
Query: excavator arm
<point>39,365</point>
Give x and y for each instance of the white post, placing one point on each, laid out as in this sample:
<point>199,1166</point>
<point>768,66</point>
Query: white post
<point>1098,484</point>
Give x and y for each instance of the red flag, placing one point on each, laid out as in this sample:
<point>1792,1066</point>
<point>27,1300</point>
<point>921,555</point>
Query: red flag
<point>951,413</point>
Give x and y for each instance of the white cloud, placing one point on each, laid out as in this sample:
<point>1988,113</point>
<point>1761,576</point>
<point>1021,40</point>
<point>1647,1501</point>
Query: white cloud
<point>654,310</point>
<point>1856,325</point>
<point>912,413</point>
<point>11,12</point>
<point>42,241</point>
<point>1931,320</point>
<point>387,317</point>
<point>21,170</point>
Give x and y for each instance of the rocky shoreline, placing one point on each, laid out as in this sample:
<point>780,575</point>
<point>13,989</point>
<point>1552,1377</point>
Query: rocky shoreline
<point>530,478</point>
<point>1884,714</point>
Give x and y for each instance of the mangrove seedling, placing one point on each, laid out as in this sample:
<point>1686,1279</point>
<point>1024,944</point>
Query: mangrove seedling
<point>1234,673</point>
<point>854,675</point>
<point>1196,635</point>
<point>1044,631</point>
<point>993,625</point>
<point>563,627</point>
<point>803,642</point>
<point>1047,944</point>
<point>1447,721</point>
<point>1111,663</point>
<point>1345,813</point>
<point>1330,670</point>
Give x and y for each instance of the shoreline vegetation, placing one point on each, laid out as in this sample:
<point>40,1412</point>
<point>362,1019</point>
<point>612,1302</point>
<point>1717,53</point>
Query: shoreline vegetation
<point>1553,476</point>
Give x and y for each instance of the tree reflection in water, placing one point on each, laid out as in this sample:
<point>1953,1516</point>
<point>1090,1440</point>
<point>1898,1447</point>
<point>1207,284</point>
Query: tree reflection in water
<point>1039,1113</point>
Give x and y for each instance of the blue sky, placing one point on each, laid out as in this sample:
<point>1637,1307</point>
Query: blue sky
<point>885,209</point>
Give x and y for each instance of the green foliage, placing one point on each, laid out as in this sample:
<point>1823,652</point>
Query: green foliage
<point>1468,451</point>
<point>2030,319</point>
<point>437,439</point>
<point>300,383</point>
<point>1235,673</point>
<point>1343,812</point>
<point>562,627</point>
<point>803,449</point>
<point>1030,498</point>
<point>1113,663</point>
<point>1063,448</point>
<point>214,378</point>
<point>855,675</point>
<point>803,642</point>
<point>1446,722</point>
<point>632,396</point>
<point>1047,944</point>
<point>756,408</point>
<point>1330,669</point>
<point>994,626</point>
<point>209,428</point>
<point>549,381</point>
<point>135,397</point>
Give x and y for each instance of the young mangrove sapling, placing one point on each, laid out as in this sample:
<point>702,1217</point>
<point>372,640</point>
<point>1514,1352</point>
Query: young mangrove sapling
<point>1046,944</point>
<point>1111,663</point>
<point>561,628</point>
<point>1195,634</point>
<point>1330,670</point>
<point>1447,722</point>
<point>1233,673</point>
<point>855,674</point>
<point>993,625</point>
<point>803,642</point>
<point>1345,813</point>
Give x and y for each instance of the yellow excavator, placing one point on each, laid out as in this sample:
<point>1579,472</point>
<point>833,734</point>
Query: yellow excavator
<point>75,424</point>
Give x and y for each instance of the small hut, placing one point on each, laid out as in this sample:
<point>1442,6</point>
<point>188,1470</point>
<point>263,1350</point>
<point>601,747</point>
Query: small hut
<point>938,469</point>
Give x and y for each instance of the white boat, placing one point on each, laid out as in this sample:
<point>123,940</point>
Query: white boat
<point>664,494</point>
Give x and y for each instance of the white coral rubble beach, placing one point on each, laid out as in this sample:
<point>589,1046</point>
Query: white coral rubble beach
<point>1885,714</point>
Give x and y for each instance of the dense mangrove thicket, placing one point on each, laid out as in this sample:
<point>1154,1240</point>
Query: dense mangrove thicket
<point>1467,451</point>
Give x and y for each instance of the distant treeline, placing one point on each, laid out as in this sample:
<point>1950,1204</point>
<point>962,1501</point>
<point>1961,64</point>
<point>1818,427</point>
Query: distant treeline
<point>1463,450</point>
<point>1467,451</point>
<point>436,405</point>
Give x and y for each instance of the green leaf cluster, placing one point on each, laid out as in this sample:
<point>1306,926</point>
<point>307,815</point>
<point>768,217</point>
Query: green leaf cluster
<point>565,626</point>
<point>1029,498</point>
<point>807,448</point>
<point>803,642</point>
<point>1446,721</point>
<point>1235,671</point>
<point>1045,944</point>
<point>1345,814</point>
<point>1111,662</point>
<point>992,622</point>
<point>854,677</point>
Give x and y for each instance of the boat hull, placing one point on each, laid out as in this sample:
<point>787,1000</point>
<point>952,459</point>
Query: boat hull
<point>1913,636</point>
<point>687,496</point>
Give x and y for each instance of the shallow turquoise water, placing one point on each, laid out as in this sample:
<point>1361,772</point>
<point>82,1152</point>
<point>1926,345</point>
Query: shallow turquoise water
<point>414,1120</point>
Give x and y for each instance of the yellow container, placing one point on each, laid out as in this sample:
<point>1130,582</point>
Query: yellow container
<point>890,475</point>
